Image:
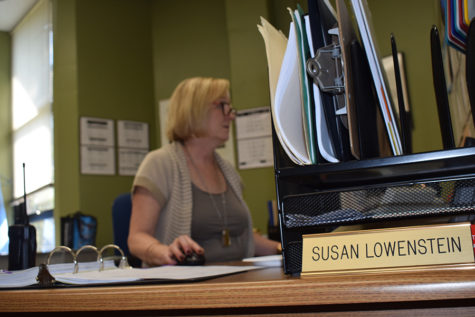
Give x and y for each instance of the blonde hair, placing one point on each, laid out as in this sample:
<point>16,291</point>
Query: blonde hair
<point>189,106</point>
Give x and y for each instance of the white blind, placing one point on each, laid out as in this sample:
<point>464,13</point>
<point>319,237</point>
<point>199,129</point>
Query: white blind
<point>32,119</point>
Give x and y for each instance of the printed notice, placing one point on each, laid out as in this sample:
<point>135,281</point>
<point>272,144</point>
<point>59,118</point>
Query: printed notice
<point>97,146</point>
<point>133,145</point>
<point>97,131</point>
<point>97,160</point>
<point>132,134</point>
<point>254,138</point>
<point>256,152</point>
<point>129,160</point>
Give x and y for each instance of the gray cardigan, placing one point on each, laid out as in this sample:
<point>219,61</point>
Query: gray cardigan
<point>165,174</point>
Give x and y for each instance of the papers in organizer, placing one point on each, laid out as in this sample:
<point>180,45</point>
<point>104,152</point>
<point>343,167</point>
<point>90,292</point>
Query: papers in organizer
<point>275,42</point>
<point>288,105</point>
<point>325,146</point>
<point>276,46</point>
<point>303,54</point>
<point>362,15</point>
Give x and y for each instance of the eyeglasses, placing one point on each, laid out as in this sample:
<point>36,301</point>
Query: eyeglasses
<point>226,108</point>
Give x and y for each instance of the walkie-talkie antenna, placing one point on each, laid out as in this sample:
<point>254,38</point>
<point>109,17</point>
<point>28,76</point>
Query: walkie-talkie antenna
<point>25,214</point>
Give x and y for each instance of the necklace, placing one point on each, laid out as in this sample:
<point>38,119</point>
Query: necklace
<point>225,237</point>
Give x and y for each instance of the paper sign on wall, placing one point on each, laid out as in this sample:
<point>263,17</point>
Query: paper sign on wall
<point>97,146</point>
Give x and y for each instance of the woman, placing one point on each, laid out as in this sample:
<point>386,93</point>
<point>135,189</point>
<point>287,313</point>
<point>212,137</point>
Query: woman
<point>186,198</point>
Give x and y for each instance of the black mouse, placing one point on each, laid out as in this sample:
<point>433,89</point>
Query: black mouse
<point>193,259</point>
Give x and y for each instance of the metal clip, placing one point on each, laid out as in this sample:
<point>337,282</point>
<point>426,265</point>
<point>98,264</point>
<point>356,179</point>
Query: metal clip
<point>326,68</point>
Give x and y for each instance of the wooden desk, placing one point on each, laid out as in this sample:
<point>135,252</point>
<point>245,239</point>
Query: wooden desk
<point>440,291</point>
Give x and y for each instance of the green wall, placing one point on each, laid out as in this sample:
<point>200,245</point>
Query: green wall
<point>189,39</point>
<point>103,68</point>
<point>117,58</point>
<point>6,171</point>
<point>250,89</point>
<point>410,22</point>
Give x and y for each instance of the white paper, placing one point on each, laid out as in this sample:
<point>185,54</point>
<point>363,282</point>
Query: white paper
<point>254,138</point>
<point>288,105</point>
<point>255,152</point>
<point>23,278</point>
<point>129,160</point>
<point>97,131</point>
<point>97,160</point>
<point>268,260</point>
<point>172,272</point>
<point>132,134</point>
<point>253,123</point>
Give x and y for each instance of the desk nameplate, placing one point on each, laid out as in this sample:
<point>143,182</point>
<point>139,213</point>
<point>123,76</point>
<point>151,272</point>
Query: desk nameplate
<point>387,248</point>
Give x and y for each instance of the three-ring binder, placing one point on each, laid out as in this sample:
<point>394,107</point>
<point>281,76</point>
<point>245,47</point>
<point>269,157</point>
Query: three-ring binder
<point>45,279</point>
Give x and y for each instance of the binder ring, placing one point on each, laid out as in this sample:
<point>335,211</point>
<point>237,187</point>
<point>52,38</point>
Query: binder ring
<point>76,264</point>
<point>64,249</point>
<point>123,261</point>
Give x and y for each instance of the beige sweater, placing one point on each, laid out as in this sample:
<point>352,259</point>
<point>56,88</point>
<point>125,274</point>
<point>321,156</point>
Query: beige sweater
<point>165,174</point>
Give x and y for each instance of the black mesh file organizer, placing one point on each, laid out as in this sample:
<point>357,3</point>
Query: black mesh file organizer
<point>318,198</point>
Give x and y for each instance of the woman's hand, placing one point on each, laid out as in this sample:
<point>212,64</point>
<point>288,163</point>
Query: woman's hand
<point>184,245</point>
<point>160,254</point>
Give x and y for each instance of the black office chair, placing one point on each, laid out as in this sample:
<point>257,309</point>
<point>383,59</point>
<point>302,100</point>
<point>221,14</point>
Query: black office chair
<point>121,211</point>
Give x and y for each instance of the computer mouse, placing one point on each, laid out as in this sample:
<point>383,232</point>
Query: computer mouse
<point>193,259</point>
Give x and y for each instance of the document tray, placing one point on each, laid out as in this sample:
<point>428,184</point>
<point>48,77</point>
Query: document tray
<point>320,198</point>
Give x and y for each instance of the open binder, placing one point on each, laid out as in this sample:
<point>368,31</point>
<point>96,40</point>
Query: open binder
<point>104,272</point>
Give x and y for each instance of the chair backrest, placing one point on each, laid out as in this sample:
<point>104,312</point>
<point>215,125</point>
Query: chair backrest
<point>121,211</point>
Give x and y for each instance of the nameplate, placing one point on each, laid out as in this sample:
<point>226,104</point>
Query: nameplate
<point>387,248</point>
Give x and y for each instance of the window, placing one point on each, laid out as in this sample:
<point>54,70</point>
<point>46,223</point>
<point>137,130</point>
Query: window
<point>32,117</point>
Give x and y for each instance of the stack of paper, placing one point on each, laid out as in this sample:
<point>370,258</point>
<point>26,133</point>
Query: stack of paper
<point>291,97</point>
<point>286,102</point>
<point>310,124</point>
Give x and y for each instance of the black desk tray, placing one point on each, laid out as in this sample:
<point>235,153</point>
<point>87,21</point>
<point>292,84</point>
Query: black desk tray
<point>319,198</point>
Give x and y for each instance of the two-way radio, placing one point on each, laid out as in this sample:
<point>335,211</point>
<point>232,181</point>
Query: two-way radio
<point>22,236</point>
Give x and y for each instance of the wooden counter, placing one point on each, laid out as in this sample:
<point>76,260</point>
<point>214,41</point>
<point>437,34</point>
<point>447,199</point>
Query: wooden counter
<point>441,291</point>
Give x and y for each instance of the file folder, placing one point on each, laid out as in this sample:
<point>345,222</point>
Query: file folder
<point>367,109</point>
<point>322,20</point>
<point>346,37</point>
<point>326,148</point>
<point>306,96</point>
<point>363,18</point>
<point>288,108</point>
